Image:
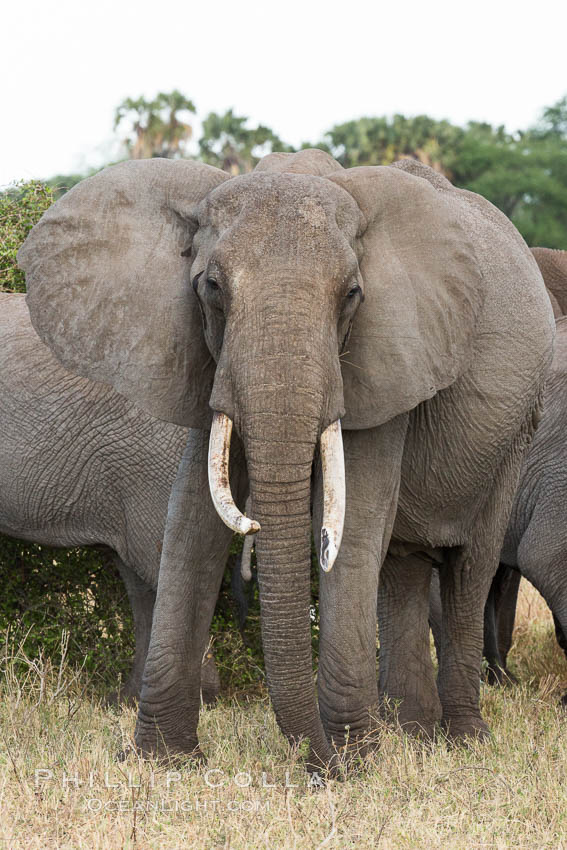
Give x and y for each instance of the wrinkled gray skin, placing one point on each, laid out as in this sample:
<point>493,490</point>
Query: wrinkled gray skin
<point>535,544</point>
<point>438,389</point>
<point>553,267</point>
<point>81,466</point>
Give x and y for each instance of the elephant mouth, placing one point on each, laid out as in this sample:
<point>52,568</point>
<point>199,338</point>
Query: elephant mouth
<point>334,499</point>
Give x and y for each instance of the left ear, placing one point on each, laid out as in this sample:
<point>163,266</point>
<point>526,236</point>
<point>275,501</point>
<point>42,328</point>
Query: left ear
<point>414,332</point>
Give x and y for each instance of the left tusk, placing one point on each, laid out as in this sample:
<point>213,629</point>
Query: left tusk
<point>334,501</point>
<point>219,481</point>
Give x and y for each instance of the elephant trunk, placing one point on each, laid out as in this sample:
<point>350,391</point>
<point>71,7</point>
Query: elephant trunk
<point>280,488</point>
<point>279,471</point>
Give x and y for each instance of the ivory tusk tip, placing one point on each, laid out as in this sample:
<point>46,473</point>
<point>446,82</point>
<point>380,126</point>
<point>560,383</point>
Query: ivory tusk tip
<point>329,551</point>
<point>245,525</point>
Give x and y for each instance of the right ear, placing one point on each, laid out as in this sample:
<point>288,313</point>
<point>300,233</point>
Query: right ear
<point>553,267</point>
<point>108,287</point>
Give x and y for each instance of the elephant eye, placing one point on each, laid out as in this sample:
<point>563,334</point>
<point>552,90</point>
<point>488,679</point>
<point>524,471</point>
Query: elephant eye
<point>354,290</point>
<point>212,283</point>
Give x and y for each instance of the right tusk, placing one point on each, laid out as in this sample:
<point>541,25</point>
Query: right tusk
<point>333,463</point>
<point>219,482</point>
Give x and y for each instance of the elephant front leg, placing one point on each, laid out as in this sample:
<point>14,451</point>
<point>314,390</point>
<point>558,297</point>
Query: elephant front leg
<point>195,550</point>
<point>465,579</point>
<point>465,582</point>
<point>407,680</point>
<point>347,685</point>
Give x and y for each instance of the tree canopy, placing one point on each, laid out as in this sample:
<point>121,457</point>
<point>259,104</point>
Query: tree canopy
<point>229,144</point>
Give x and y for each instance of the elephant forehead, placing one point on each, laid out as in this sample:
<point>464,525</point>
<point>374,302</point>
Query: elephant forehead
<point>297,203</point>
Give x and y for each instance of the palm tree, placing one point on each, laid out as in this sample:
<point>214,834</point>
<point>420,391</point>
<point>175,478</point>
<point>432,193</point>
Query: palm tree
<point>175,132</point>
<point>155,127</point>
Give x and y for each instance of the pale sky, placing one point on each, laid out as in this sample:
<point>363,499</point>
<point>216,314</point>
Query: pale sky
<point>297,66</point>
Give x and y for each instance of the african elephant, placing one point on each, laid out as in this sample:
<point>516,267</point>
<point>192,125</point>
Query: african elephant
<point>81,466</point>
<point>279,305</point>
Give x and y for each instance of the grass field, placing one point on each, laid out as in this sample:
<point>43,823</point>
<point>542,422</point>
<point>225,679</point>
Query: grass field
<point>62,786</point>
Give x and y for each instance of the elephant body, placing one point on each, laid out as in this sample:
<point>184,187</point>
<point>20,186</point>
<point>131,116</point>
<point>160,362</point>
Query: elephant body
<point>81,466</point>
<point>382,297</point>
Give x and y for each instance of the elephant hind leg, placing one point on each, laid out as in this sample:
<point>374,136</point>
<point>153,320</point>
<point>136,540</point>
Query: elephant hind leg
<point>142,598</point>
<point>465,584</point>
<point>435,613</point>
<point>560,635</point>
<point>210,680</point>
<point>406,670</point>
<point>543,561</point>
<point>499,616</point>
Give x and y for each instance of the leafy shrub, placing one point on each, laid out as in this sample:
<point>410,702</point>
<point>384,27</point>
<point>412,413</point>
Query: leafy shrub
<point>21,207</point>
<point>48,591</point>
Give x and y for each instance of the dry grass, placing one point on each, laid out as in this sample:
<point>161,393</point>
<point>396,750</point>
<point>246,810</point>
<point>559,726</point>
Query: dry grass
<point>511,792</point>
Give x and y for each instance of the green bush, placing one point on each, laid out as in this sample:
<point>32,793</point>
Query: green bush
<point>49,592</point>
<point>21,207</point>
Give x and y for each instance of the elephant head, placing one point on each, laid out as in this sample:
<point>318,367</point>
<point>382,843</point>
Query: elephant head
<point>282,301</point>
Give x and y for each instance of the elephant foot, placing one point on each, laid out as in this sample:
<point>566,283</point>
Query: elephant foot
<point>210,680</point>
<point>169,736</point>
<point>496,675</point>
<point>174,759</point>
<point>413,718</point>
<point>351,751</point>
<point>154,747</point>
<point>424,730</point>
<point>340,763</point>
<point>460,730</point>
<point>354,741</point>
<point>126,696</point>
<point>210,698</point>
